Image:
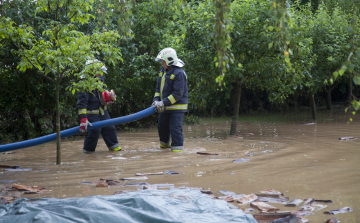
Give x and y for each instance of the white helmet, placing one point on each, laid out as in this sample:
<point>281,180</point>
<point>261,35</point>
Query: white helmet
<point>103,68</point>
<point>169,56</point>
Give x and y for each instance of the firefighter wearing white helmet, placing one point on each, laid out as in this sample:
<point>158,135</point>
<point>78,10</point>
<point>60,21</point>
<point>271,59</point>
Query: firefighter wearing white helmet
<point>171,100</point>
<point>168,55</point>
<point>92,107</point>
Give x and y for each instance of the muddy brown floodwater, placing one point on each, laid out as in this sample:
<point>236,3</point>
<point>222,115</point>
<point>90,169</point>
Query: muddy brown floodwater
<point>301,161</point>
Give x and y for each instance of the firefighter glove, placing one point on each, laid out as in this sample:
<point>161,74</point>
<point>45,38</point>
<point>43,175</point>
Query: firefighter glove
<point>84,122</point>
<point>158,105</point>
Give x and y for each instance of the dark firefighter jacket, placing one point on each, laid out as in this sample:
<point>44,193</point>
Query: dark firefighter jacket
<point>88,103</point>
<point>172,89</point>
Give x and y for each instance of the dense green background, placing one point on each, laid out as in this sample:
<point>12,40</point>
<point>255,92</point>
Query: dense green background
<point>319,40</point>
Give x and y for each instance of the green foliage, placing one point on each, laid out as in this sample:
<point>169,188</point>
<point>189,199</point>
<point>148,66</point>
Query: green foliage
<point>271,52</point>
<point>222,40</point>
<point>281,28</point>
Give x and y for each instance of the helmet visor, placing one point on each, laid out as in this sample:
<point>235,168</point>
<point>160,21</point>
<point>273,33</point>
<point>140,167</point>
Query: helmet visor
<point>158,58</point>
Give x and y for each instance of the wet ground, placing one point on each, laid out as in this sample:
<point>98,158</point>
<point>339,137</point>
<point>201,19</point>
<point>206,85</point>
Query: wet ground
<point>301,161</point>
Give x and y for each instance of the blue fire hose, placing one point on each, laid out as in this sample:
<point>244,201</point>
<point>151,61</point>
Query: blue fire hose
<point>75,130</point>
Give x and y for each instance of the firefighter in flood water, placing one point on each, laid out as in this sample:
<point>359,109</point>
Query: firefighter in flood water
<point>92,107</point>
<point>171,100</point>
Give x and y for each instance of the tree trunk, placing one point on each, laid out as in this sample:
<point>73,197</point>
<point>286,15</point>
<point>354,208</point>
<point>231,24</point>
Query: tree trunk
<point>313,106</point>
<point>296,96</point>
<point>236,109</point>
<point>58,138</point>
<point>328,99</point>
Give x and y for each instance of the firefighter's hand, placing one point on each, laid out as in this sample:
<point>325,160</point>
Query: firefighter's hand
<point>158,105</point>
<point>84,122</point>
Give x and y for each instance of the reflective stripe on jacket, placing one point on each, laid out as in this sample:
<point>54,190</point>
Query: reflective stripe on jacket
<point>172,89</point>
<point>88,103</point>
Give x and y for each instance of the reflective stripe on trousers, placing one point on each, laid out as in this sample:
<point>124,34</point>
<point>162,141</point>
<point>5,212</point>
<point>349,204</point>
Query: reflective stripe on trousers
<point>170,126</point>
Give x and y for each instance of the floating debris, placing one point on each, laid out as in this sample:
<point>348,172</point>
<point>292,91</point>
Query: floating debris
<point>134,178</point>
<point>227,198</point>
<point>210,154</point>
<point>309,123</point>
<point>347,138</point>
<point>280,200</point>
<point>227,193</point>
<point>249,153</point>
<point>137,184</point>
<point>310,205</point>
<point>241,160</point>
<point>147,187</point>
<point>247,199</point>
<point>263,207</point>
<point>302,213</point>
<point>102,183</point>
<point>114,183</point>
<point>294,203</point>
<point>145,174</point>
<point>19,169</point>
<point>170,172</point>
<point>324,201</point>
<point>207,192</point>
<point>338,211</point>
<point>163,185</point>
<point>288,219</point>
<point>29,189</point>
<point>122,192</point>
<point>191,188</point>
<point>268,217</point>
<point>332,220</point>
<point>155,186</point>
<point>271,192</point>
<point>9,167</point>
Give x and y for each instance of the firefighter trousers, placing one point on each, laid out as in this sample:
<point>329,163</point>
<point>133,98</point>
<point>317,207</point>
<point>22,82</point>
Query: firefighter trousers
<point>170,127</point>
<point>108,133</point>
